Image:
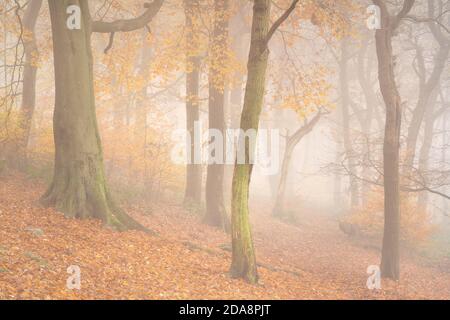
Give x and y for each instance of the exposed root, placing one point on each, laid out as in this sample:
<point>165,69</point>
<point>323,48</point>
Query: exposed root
<point>82,200</point>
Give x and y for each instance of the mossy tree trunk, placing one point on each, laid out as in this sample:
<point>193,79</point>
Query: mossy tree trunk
<point>216,214</point>
<point>79,187</point>
<point>243,259</point>
<point>243,254</point>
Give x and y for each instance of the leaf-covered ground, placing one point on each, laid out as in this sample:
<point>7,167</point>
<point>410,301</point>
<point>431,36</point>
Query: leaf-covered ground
<point>186,260</point>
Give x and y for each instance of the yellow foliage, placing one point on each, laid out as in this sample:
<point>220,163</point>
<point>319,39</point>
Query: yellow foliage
<point>10,126</point>
<point>307,92</point>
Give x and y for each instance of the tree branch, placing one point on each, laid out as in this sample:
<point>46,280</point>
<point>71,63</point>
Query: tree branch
<point>280,20</point>
<point>407,6</point>
<point>126,25</point>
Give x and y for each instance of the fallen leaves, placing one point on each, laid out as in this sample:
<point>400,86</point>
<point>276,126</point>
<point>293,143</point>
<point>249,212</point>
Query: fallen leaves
<point>187,260</point>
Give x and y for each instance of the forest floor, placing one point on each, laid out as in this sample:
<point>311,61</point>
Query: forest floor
<point>186,259</point>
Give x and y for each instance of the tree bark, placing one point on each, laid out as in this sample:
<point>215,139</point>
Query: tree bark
<point>390,256</point>
<point>243,264</point>
<point>424,154</point>
<point>215,209</point>
<point>79,187</point>
<point>193,191</point>
<point>364,78</point>
<point>425,95</point>
<point>345,105</point>
<point>238,31</point>
<point>291,142</point>
<point>29,74</point>
<point>243,258</point>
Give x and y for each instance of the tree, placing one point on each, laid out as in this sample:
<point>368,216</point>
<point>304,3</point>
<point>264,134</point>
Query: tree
<point>215,209</point>
<point>29,72</point>
<point>291,142</point>
<point>344,88</point>
<point>428,86</point>
<point>390,249</point>
<point>239,30</point>
<point>79,187</point>
<point>243,263</point>
<point>371,112</point>
<point>193,189</point>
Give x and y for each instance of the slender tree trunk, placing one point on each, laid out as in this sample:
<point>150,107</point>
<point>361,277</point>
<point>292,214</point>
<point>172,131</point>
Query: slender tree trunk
<point>445,143</point>
<point>29,73</point>
<point>390,255</point>
<point>79,188</point>
<point>337,181</point>
<point>142,103</point>
<point>424,154</point>
<point>422,200</point>
<point>193,191</point>
<point>425,95</point>
<point>291,142</point>
<point>345,104</point>
<point>215,209</point>
<point>243,257</point>
<point>279,208</point>
<point>364,79</point>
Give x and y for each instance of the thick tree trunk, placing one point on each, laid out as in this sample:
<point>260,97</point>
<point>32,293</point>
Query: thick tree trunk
<point>79,188</point>
<point>390,255</point>
<point>215,209</point>
<point>29,74</point>
<point>193,191</point>
<point>243,258</point>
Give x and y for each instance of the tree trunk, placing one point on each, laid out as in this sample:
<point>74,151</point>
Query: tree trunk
<point>29,74</point>
<point>243,257</point>
<point>390,256</point>
<point>79,188</point>
<point>141,111</point>
<point>238,30</point>
<point>425,95</point>
<point>445,142</point>
<point>193,191</point>
<point>279,208</point>
<point>291,142</point>
<point>424,154</point>
<point>215,209</point>
<point>345,104</point>
<point>364,78</point>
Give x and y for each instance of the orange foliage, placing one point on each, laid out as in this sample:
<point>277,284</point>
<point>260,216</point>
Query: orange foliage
<point>416,225</point>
